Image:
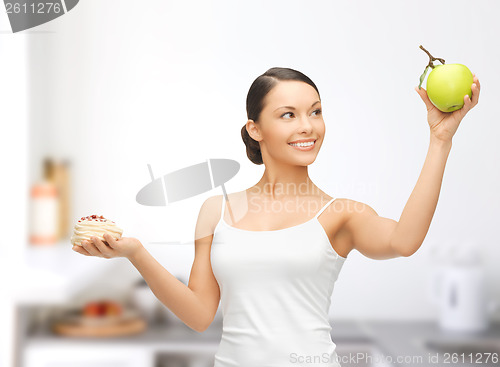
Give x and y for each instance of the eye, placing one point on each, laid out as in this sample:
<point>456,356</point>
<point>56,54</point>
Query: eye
<point>318,111</point>
<point>286,113</point>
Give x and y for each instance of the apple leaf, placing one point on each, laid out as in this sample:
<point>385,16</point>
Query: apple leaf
<point>422,77</point>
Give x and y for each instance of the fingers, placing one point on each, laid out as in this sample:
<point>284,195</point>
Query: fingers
<point>476,80</point>
<point>105,251</point>
<point>469,103</point>
<point>95,247</point>
<point>423,94</point>
<point>475,88</point>
<point>90,247</point>
<point>110,240</point>
<point>81,250</point>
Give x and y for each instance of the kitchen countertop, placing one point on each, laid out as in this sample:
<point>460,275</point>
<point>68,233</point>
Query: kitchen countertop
<point>402,342</point>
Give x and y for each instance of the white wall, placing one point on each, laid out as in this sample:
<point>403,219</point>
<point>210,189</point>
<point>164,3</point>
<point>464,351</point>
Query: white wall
<point>14,177</point>
<point>119,84</point>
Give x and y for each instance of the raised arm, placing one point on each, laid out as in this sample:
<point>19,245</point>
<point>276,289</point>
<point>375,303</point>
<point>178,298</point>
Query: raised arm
<point>383,238</point>
<point>370,234</point>
<point>417,214</point>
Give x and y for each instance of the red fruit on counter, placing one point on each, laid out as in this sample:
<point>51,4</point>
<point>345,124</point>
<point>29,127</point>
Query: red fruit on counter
<point>92,309</point>
<point>102,308</point>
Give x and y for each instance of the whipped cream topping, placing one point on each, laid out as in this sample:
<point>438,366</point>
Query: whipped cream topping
<point>96,226</point>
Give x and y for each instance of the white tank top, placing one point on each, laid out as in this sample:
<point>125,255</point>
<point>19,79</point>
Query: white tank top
<point>276,289</point>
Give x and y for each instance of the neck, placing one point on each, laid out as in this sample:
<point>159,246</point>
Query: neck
<point>277,184</point>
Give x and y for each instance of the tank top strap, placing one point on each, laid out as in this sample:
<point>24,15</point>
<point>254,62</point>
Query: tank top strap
<point>222,209</point>
<point>323,208</point>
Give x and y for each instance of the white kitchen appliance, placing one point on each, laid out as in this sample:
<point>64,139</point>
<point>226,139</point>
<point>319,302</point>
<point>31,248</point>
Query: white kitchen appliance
<point>458,288</point>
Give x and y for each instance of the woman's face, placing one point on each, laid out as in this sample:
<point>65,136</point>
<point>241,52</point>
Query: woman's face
<point>292,112</point>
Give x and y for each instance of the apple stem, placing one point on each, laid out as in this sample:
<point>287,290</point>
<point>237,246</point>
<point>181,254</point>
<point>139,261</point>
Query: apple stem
<point>432,58</point>
<point>429,65</point>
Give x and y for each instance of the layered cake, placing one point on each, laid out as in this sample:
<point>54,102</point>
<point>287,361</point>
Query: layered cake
<point>94,226</point>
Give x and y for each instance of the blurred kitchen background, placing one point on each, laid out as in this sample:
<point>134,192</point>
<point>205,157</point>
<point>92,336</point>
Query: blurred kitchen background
<point>93,97</point>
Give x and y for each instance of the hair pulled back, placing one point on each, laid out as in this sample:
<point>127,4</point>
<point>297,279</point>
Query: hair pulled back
<point>255,102</point>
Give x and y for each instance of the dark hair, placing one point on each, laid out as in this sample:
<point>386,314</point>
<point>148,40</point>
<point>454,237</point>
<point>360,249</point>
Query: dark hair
<point>255,102</point>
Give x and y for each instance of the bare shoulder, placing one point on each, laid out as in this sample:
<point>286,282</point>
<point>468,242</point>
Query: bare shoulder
<point>339,209</point>
<point>208,216</point>
<point>352,210</point>
<point>341,216</point>
<point>369,233</point>
<point>211,210</point>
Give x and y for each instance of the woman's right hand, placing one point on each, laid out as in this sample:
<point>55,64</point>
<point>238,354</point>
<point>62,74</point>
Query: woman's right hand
<point>123,247</point>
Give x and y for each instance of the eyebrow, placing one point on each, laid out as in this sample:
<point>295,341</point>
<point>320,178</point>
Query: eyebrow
<point>293,108</point>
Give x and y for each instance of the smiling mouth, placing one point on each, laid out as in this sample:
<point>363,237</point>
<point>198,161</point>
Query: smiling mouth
<point>303,146</point>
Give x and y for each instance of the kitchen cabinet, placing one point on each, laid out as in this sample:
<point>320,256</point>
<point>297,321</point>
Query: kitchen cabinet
<point>161,345</point>
<point>80,355</point>
<point>87,355</point>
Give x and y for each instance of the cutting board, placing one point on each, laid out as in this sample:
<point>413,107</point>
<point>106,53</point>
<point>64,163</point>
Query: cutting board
<point>99,327</point>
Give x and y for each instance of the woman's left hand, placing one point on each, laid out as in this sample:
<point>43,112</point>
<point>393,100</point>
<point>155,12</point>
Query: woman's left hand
<point>444,124</point>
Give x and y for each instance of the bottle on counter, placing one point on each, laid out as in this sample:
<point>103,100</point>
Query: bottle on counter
<point>57,172</point>
<point>50,204</point>
<point>44,214</point>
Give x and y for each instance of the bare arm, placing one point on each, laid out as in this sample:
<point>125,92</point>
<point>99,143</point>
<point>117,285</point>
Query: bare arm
<point>384,238</point>
<point>416,218</point>
<point>195,304</point>
<point>174,294</point>
<point>417,214</point>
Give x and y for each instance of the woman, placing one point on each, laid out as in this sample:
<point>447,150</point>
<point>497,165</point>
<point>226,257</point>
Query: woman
<point>272,256</point>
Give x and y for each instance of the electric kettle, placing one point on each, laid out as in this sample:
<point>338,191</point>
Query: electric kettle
<point>459,291</point>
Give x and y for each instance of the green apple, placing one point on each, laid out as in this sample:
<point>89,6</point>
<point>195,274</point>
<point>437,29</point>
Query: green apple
<point>447,85</point>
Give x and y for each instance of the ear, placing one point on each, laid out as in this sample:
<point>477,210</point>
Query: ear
<point>253,130</point>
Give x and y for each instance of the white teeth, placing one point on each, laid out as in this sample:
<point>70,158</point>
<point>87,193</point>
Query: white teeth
<point>302,144</point>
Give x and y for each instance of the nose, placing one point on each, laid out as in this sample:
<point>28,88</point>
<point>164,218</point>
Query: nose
<point>305,124</point>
